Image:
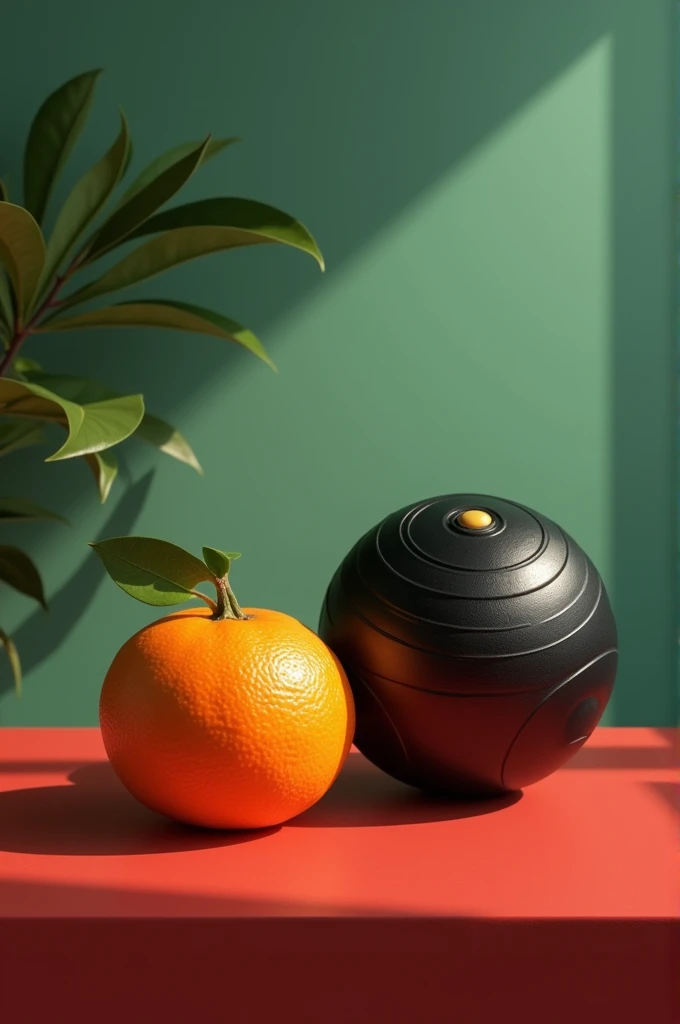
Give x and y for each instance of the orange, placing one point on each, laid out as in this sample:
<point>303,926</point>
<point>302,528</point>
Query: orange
<point>230,723</point>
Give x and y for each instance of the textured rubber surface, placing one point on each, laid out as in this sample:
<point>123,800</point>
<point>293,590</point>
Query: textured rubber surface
<point>469,650</point>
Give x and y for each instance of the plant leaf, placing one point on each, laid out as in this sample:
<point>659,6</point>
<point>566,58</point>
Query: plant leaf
<point>151,570</point>
<point>25,366</point>
<point>4,194</point>
<point>81,390</point>
<point>22,398</point>
<point>252,223</point>
<point>85,201</point>
<point>164,252</point>
<point>104,425</point>
<point>22,250</point>
<point>16,509</point>
<point>92,427</point>
<point>13,657</point>
<point>104,466</point>
<point>151,429</point>
<point>53,133</point>
<point>171,156</point>
<point>6,306</point>
<point>19,571</point>
<point>168,440</point>
<point>128,160</point>
<point>219,562</point>
<point>14,436</point>
<point>181,316</point>
<point>135,211</point>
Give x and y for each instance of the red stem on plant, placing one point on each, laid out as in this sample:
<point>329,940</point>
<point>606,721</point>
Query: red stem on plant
<point>21,335</point>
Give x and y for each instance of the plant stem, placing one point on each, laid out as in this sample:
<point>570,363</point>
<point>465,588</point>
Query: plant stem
<point>208,600</point>
<point>22,333</point>
<point>227,605</point>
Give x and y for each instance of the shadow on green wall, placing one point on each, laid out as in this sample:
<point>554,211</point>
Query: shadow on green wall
<point>644,379</point>
<point>43,632</point>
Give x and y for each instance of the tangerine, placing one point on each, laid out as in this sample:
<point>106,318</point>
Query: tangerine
<point>229,723</point>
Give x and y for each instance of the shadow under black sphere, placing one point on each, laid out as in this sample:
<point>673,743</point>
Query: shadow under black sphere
<point>94,815</point>
<point>365,796</point>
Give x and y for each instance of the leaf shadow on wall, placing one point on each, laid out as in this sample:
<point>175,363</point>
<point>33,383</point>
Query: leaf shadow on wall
<point>43,632</point>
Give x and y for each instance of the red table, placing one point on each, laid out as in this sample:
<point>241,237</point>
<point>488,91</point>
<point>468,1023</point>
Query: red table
<point>378,904</point>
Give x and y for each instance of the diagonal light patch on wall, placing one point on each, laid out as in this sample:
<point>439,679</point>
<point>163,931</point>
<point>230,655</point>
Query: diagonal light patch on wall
<point>490,292</point>
<point>480,271</point>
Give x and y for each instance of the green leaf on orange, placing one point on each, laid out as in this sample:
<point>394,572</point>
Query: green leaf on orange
<point>153,571</point>
<point>219,562</point>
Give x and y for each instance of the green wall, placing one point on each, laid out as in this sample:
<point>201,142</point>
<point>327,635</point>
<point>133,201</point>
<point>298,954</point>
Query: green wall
<point>491,184</point>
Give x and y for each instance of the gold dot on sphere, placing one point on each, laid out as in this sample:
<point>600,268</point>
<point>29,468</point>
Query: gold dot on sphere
<point>474,519</point>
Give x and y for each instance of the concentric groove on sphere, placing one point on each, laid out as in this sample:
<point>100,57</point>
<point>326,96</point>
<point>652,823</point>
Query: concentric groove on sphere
<point>411,545</point>
<point>354,563</point>
<point>479,656</point>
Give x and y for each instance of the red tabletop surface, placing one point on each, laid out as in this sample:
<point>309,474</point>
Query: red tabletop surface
<point>595,843</point>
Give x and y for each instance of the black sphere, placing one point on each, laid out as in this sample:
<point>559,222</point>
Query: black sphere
<point>478,640</point>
